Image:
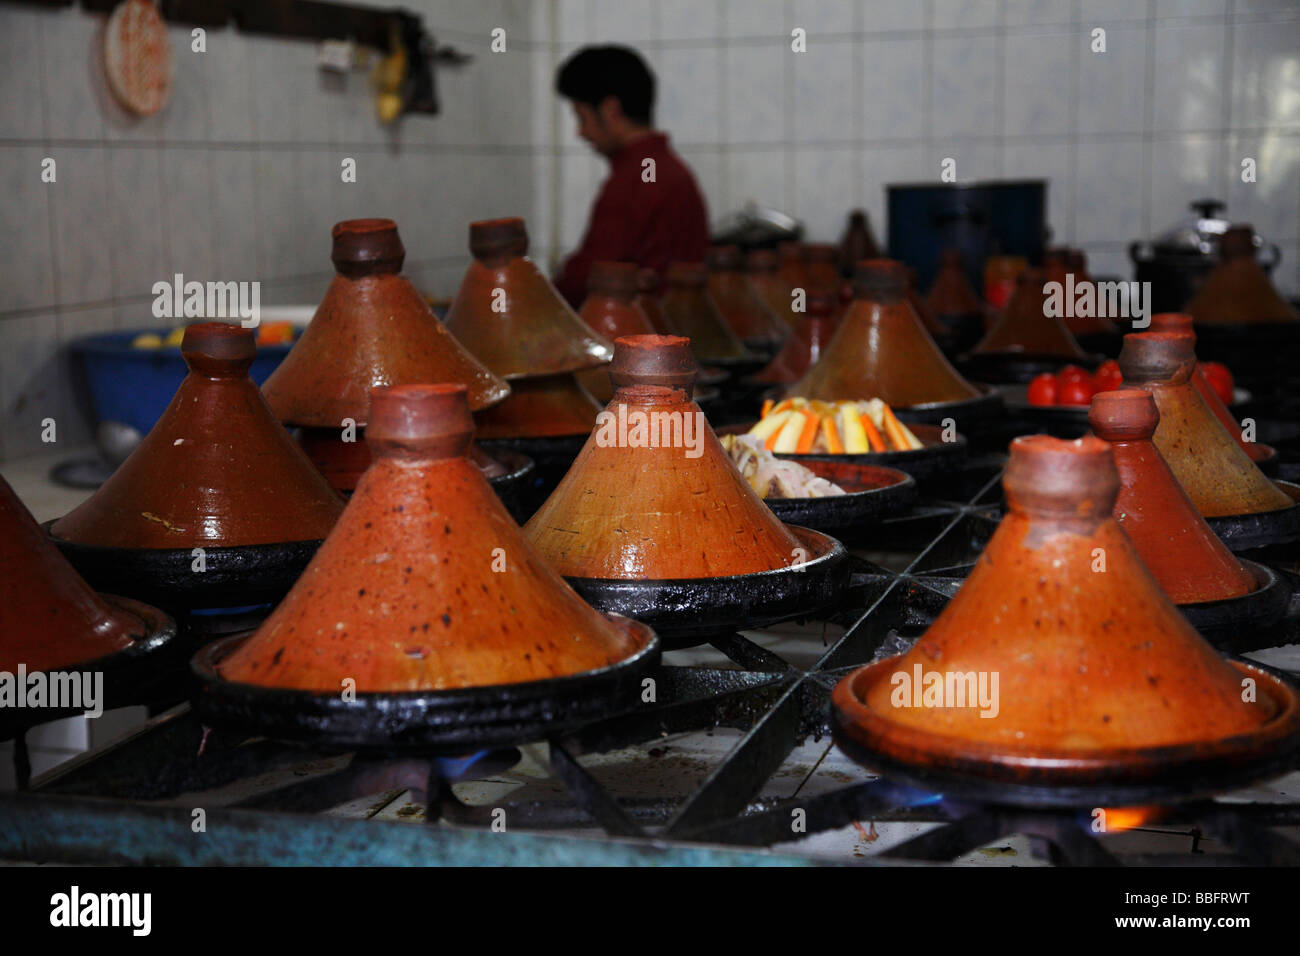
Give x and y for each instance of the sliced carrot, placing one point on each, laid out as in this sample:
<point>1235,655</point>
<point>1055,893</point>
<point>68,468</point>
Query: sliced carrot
<point>767,408</point>
<point>832,435</point>
<point>873,434</point>
<point>808,435</point>
<point>894,429</point>
<point>783,405</point>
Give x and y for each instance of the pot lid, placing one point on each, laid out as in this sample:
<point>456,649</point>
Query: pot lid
<point>1238,291</point>
<point>1216,474</point>
<point>690,312</point>
<point>881,349</point>
<point>53,619</point>
<point>739,301</point>
<point>425,583</point>
<point>1179,549</point>
<point>510,316</point>
<point>1025,327</point>
<point>951,293</point>
<point>1197,235</point>
<point>1088,665</point>
<point>653,495</point>
<point>543,406</point>
<point>372,328</point>
<point>217,469</point>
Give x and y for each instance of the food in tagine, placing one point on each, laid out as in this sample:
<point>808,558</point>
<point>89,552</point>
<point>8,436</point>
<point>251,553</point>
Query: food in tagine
<point>773,477</point>
<point>799,426</point>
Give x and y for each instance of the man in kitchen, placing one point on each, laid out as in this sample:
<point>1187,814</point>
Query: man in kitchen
<point>650,210</point>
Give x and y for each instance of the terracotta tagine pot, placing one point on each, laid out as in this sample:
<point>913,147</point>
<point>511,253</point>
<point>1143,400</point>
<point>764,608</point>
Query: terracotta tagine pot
<point>611,310</point>
<point>881,349</point>
<point>857,243</point>
<point>690,312</point>
<point>953,300</point>
<point>1207,461</point>
<point>510,317</point>
<point>680,510</point>
<point>426,582</point>
<point>1181,322</point>
<point>763,268</point>
<point>648,292</point>
<point>53,620</point>
<point>218,468</point>
<point>1186,558</point>
<point>372,328</point>
<point>792,264</point>
<point>1237,291</point>
<point>931,322</point>
<point>802,350</point>
<point>738,301</point>
<point>1069,268</point>
<point>1024,328</point>
<point>1100,679</point>
<point>822,267</point>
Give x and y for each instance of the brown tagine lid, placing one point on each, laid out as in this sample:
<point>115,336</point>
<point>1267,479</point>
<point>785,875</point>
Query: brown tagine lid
<point>629,510</point>
<point>1188,560</point>
<point>689,311</point>
<point>821,267</point>
<point>648,291</point>
<point>951,294</point>
<point>53,619</point>
<point>1182,322</point>
<point>611,309</point>
<point>1207,461</point>
<point>741,306</point>
<point>857,243</point>
<point>510,316</point>
<point>425,583</point>
<point>792,264</point>
<point>217,469</point>
<point>1024,326</point>
<point>1092,666</point>
<point>1238,291</point>
<point>802,350</point>
<point>372,328</point>
<point>928,318</point>
<point>765,275</point>
<point>881,349</point>
<point>1069,267</point>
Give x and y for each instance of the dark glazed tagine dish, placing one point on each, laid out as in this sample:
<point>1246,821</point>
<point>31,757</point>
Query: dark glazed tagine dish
<point>1104,694</point>
<point>373,327</point>
<point>654,519</point>
<point>217,472</point>
<point>870,493</point>
<point>454,631</point>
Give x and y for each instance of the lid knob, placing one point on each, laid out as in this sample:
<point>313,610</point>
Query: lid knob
<point>1238,242</point>
<point>364,247</point>
<point>618,279</point>
<point>1157,357</point>
<point>495,241</point>
<point>663,361</point>
<point>1057,478</point>
<point>883,279</point>
<point>419,421</point>
<point>219,349</point>
<point>1125,414</point>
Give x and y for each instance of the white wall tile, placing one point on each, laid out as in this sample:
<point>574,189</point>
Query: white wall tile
<point>505,109</point>
<point>577,21</point>
<point>140,255</point>
<point>1050,161</point>
<point>825,105</point>
<point>281,72</point>
<point>755,175</point>
<point>1182,170</point>
<point>1188,92</point>
<point>617,21</point>
<point>233,210</point>
<point>186,117</point>
<point>230,85</point>
<point>72,39</point>
<point>1270,203</point>
<point>1112,85</point>
<point>965,13</point>
<point>582,176</point>
<point>882,166</point>
<point>755,92</point>
<point>1249,8</point>
<point>77,425</point>
<point>275,214</point>
<point>1265,73</point>
<point>710,175</point>
<point>976,161</point>
<point>29,380</point>
<point>893,74</point>
<point>690,94</point>
<point>1036,84</point>
<point>187,192</point>
<point>1108,195</point>
<point>26,272</point>
<point>1019,13</point>
<point>689,19</point>
<point>820,206</point>
<point>1108,12</point>
<point>84,240</point>
<point>891,15</point>
<point>1191,8</point>
<point>824,19</point>
<point>758,18</point>
<point>963,99</point>
<point>22,115</point>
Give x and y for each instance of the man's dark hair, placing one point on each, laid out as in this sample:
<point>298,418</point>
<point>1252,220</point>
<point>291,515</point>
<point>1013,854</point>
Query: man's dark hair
<point>595,72</point>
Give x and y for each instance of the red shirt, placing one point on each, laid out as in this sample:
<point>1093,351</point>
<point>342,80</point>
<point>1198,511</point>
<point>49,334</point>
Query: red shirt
<point>649,223</point>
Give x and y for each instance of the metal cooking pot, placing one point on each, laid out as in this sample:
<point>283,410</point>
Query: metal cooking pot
<point>1177,262</point>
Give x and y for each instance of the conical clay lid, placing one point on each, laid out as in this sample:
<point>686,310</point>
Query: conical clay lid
<point>425,582</point>
<point>53,619</point>
<point>548,406</point>
<point>764,272</point>
<point>951,294</point>
<point>217,469</point>
<point>805,346</point>
<point>1087,661</point>
<point>372,328</point>
<point>1069,268</point>
<point>648,289</point>
<point>690,312</point>
<point>611,310</point>
<point>738,301</point>
<point>1025,327</point>
<point>1177,546</point>
<point>680,510</point>
<point>510,316</point>
<point>1207,461</point>
<point>1238,291</point>
<point>881,349</point>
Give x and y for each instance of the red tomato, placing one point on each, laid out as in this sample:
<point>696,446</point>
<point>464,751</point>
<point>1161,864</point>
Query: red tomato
<point>1108,377</point>
<point>1220,380</point>
<point>1043,389</point>
<point>1072,373</point>
<point>1075,392</point>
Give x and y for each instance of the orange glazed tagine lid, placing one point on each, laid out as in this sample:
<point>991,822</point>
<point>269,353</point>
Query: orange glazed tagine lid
<point>426,583</point>
<point>1188,560</point>
<point>689,311</point>
<point>1207,461</point>
<point>881,349</point>
<point>217,469</point>
<point>812,334</point>
<point>648,290</point>
<point>1238,291</point>
<point>738,300</point>
<point>1081,671</point>
<point>53,619</point>
<point>611,309</point>
<point>653,495</point>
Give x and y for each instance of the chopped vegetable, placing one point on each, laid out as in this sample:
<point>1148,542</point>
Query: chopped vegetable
<point>798,426</point>
<point>773,477</point>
